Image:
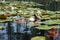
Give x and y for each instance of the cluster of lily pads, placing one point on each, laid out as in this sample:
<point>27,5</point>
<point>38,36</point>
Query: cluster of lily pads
<point>25,9</point>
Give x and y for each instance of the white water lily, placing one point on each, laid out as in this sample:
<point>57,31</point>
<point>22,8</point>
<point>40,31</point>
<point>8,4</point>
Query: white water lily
<point>31,19</point>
